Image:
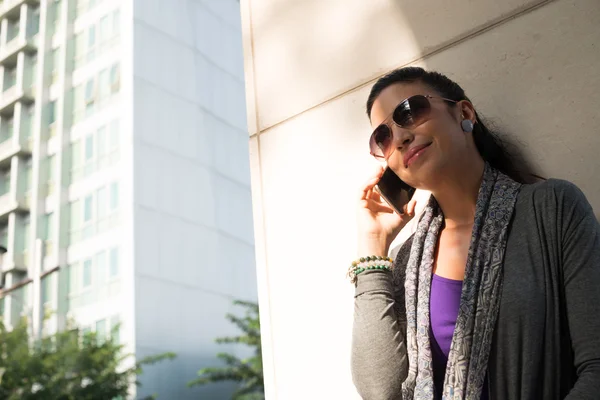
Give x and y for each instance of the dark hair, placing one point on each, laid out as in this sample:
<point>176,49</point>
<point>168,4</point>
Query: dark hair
<point>491,148</point>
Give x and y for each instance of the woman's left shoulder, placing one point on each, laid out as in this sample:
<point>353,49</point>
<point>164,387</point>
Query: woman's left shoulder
<point>555,197</point>
<point>557,191</point>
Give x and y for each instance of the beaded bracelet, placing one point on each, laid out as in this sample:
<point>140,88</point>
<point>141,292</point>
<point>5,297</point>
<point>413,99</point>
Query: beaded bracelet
<point>368,263</point>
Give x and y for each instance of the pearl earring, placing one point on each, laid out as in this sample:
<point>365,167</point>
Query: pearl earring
<point>467,125</point>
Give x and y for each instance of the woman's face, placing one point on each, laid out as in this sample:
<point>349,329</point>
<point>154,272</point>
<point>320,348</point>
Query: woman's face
<point>447,145</point>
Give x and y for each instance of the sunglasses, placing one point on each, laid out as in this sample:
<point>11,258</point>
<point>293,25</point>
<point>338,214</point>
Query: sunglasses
<point>409,114</point>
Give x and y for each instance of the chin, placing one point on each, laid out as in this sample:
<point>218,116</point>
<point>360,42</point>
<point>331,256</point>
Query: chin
<point>423,175</point>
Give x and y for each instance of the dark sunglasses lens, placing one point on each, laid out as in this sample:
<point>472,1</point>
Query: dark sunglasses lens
<point>381,141</point>
<point>412,112</point>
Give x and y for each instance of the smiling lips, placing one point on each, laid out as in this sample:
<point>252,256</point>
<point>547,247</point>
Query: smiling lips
<point>413,153</point>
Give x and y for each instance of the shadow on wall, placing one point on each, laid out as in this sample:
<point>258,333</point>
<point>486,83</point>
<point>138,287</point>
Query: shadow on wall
<point>526,75</point>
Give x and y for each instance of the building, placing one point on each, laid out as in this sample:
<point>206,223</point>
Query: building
<point>124,177</point>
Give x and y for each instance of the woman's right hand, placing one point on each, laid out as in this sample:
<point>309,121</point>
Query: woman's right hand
<point>378,223</point>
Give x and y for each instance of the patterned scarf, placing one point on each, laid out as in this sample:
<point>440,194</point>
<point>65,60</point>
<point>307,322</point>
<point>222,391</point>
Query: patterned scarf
<point>480,297</point>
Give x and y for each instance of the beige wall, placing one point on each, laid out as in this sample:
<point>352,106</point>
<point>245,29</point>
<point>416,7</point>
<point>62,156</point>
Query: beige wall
<point>533,66</point>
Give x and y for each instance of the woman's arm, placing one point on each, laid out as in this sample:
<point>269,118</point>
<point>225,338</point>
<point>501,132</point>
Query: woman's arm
<point>580,238</point>
<point>379,359</point>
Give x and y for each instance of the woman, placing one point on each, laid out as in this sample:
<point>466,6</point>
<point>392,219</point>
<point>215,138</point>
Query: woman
<point>497,293</point>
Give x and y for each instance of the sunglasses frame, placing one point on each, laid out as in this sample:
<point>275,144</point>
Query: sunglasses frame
<point>387,120</point>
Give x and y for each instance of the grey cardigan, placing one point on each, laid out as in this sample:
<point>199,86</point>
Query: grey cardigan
<point>547,340</point>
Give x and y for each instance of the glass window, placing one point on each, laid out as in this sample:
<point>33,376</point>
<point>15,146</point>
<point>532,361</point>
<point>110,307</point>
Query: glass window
<point>46,289</point>
<point>34,22</point>
<point>91,36</point>
<point>114,78</point>
<point>114,134</point>
<point>89,91</point>
<point>79,48</point>
<point>89,147</point>
<point>51,168</point>
<point>24,239</point>
<point>75,215</point>
<point>114,262</point>
<point>87,274</point>
<point>73,278</point>
<point>104,85</point>
<point>8,130</point>
<point>76,154</point>
<point>115,328</point>
<point>51,112</point>
<point>101,200</point>
<point>114,196</point>
<point>87,209</point>
<point>101,142</point>
<point>116,24</point>
<point>78,101</point>
<point>101,330</point>
<point>105,28</point>
<point>48,226</point>
<point>13,29</point>
<point>101,266</point>
<point>28,176</point>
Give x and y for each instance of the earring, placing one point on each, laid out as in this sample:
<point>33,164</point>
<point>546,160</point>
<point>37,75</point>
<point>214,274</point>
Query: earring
<point>467,125</point>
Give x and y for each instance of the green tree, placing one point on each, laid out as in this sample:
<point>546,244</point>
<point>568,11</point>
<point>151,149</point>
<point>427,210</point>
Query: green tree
<point>64,366</point>
<point>247,372</point>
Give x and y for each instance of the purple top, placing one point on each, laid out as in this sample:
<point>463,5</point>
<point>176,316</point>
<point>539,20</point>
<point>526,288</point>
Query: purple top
<point>444,304</point>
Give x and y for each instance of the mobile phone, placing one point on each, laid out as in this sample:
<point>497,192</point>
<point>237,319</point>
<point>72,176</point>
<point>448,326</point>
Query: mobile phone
<point>394,190</point>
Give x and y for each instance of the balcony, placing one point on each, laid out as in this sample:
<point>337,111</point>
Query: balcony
<point>12,96</point>
<point>10,148</point>
<point>8,204</point>
<point>15,262</point>
<point>11,8</point>
<point>10,51</point>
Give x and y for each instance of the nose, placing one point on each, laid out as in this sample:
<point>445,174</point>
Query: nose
<point>402,137</point>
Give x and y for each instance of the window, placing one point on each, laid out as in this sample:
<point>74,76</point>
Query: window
<point>55,14</point>
<point>114,196</point>
<point>87,209</point>
<point>79,49</point>
<point>10,78</point>
<point>78,102</point>
<point>55,57</point>
<point>115,328</point>
<point>76,161</point>
<point>102,209</point>
<point>24,240</point>
<point>116,22</point>
<point>89,147</point>
<point>13,29</point>
<point>51,164</point>
<point>34,22</point>
<point>28,176</point>
<point>105,29</point>
<point>8,129</point>
<point>75,215</point>
<point>101,266</point>
<point>87,274</point>
<point>101,330</point>
<point>101,146</point>
<point>72,279</point>
<point>114,78</point>
<point>46,289</point>
<point>51,112</point>
<point>114,262</point>
<point>104,84</point>
<point>91,43</point>
<point>48,226</point>
<point>90,92</point>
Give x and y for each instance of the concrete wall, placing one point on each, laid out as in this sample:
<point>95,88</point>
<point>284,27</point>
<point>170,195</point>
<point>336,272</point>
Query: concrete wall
<point>194,246</point>
<point>530,65</point>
